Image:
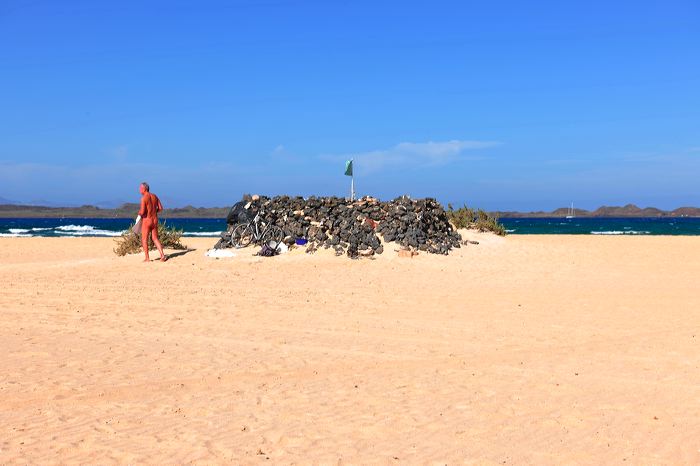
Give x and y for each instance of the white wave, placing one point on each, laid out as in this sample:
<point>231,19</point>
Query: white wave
<point>510,231</point>
<point>16,231</point>
<point>211,234</point>
<point>619,232</point>
<point>92,232</point>
<point>41,229</point>
<point>84,230</point>
<point>14,235</point>
<point>76,228</point>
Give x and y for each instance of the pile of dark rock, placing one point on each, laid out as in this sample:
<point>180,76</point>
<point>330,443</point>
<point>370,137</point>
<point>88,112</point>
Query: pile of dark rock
<point>361,227</point>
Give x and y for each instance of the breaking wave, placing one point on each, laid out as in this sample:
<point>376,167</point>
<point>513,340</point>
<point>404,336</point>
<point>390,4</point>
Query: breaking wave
<point>619,232</point>
<point>75,228</point>
<point>84,230</point>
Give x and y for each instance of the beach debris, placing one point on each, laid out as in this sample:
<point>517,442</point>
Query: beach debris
<point>407,253</point>
<point>359,228</point>
<point>267,251</point>
<point>219,253</point>
<point>467,242</point>
<point>283,248</point>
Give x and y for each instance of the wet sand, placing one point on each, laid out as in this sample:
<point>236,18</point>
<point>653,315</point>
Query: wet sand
<point>519,350</point>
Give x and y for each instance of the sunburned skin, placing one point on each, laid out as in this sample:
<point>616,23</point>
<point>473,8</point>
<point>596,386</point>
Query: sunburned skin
<point>150,206</point>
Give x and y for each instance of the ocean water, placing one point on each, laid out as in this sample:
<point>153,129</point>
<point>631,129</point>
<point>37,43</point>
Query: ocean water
<point>210,227</point>
<point>104,227</point>
<point>602,226</point>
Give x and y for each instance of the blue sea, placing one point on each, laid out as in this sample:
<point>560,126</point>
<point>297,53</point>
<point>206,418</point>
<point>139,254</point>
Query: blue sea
<point>76,227</point>
<point>67,227</point>
<point>602,226</point>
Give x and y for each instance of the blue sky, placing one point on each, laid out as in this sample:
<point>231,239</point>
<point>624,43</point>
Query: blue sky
<point>500,104</point>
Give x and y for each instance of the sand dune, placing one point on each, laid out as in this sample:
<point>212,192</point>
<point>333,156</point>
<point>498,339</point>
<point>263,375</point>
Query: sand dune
<point>525,350</point>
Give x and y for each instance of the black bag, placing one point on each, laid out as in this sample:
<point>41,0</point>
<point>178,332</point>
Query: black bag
<point>267,251</point>
<point>239,214</point>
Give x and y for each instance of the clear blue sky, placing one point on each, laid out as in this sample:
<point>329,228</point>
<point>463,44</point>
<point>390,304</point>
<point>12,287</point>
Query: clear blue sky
<point>500,104</point>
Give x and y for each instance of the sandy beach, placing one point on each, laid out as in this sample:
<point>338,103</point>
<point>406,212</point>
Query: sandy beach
<point>519,350</point>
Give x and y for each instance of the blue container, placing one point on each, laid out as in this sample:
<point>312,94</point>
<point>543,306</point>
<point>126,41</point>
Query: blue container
<point>301,241</point>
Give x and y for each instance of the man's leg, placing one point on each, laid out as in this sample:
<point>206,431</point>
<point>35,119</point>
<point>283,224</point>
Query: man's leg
<point>156,241</point>
<point>144,240</point>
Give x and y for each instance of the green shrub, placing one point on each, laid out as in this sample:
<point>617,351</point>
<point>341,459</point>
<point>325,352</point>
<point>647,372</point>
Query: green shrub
<point>480,220</point>
<point>130,243</point>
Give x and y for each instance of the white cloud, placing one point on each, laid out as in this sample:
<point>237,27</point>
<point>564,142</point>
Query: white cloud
<point>420,154</point>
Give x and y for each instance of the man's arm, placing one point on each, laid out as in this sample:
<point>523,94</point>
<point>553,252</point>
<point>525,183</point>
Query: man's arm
<point>142,210</point>
<point>159,207</point>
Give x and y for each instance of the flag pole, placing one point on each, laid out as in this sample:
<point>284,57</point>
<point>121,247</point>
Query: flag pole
<point>352,183</point>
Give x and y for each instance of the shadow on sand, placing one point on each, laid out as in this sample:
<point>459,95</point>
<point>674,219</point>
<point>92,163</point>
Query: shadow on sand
<point>179,253</point>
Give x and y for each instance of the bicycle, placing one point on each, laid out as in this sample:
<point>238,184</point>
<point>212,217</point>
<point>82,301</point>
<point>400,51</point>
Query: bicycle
<point>245,233</point>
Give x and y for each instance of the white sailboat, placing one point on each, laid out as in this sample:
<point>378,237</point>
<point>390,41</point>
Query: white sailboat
<point>570,214</point>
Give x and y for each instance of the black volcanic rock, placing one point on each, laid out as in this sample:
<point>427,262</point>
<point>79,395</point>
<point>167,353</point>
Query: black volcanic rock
<point>357,228</point>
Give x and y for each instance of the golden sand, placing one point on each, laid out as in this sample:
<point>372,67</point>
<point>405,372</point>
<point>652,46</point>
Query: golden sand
<point>519,350</point>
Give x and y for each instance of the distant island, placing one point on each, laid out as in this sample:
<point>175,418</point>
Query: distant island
<point>130,210</point>
<point>90,211</point>
<point>629,210</point>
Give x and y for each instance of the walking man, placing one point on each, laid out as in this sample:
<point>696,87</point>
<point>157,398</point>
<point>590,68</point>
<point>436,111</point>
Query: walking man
<point>148,216</point>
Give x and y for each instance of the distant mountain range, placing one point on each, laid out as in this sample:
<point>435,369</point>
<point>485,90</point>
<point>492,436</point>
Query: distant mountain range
<point>90,211</point>
<point>630,210</point>
<point>4,201</point>
<point>8,209</point>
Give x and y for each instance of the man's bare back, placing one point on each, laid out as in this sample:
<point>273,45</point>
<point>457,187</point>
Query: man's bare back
<point>148,213</point>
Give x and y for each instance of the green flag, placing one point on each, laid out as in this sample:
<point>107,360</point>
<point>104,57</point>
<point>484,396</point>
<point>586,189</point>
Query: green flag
<point>348,168</point>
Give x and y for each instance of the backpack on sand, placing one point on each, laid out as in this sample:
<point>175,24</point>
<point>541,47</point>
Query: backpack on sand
<point>267,251</point>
